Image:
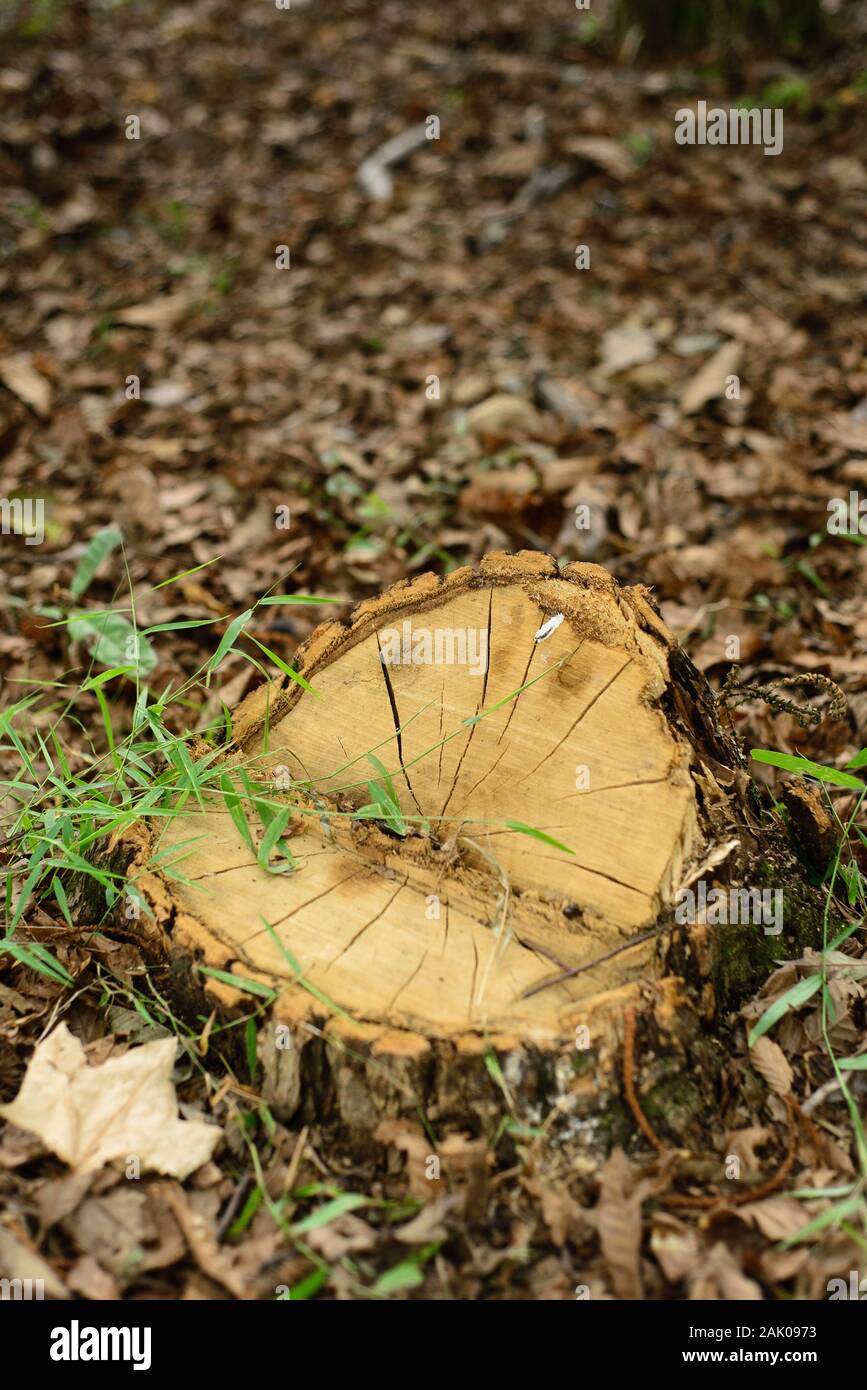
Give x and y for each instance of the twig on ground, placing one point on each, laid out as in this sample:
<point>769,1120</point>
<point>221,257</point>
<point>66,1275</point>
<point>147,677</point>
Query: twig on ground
<point>373,175</point>
<point>754,1194</point>
<point>734,691</point>
<point>542,183</point>
<point>629,1083</point>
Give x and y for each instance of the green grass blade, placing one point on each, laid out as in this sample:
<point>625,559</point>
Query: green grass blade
<point>98,548</point>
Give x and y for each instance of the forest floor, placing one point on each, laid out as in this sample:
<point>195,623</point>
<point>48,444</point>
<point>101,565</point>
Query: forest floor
<point>218,342</point>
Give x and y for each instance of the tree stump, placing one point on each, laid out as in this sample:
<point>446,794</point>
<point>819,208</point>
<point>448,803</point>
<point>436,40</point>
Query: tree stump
<point>539,771</point>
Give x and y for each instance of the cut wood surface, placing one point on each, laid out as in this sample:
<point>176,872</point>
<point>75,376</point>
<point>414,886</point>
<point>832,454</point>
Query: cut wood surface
<point>452,925</point>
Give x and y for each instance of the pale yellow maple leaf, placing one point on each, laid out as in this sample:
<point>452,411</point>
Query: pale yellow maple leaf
<point>125,1108</point>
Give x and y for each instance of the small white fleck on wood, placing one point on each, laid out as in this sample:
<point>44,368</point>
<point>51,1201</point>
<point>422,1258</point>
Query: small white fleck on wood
<point>548,627</point>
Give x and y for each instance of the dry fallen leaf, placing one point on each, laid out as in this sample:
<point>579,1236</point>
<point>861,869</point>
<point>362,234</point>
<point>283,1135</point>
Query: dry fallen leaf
<point>128,1231</point>
<point>346,1235</point>
<point>504,417</point>
<point>776,1217</point>
<point>618,1216</point>
<point>410,1139</point>
<point>610,155</point>
<point>430,1223</point>
<point>720,1277</point>
<point>564,1217</point>
<point>198,1232</point>
<point>676,1246</point>
<point>124,1108</point>
<point>500,490</point>
<point>163,312</point>
<point>19,1261</point>
<point>627,345</point>
<point>710,381</point>
<point>21,378</point>
<point>742,1145</point>
<point>770,1062</point>
<point>88,1278</point>
<point>465,1165</point>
